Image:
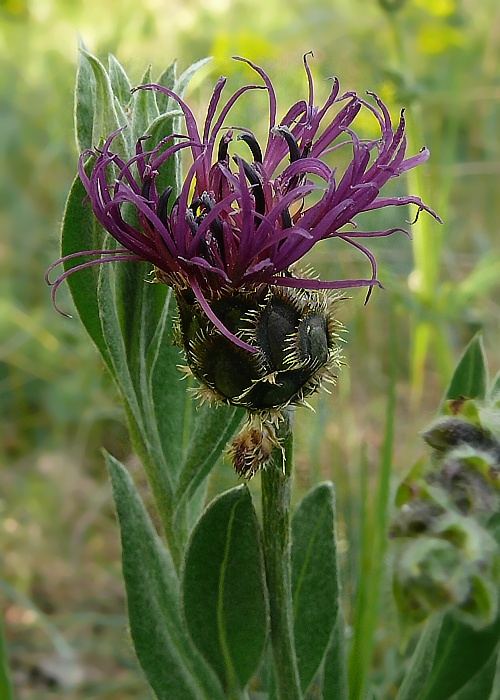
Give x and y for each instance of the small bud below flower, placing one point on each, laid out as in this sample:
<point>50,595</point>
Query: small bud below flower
<point>251,449</point>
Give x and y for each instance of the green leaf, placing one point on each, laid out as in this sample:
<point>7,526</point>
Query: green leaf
<point>144,108</point>
<point>421,661</point>
<point>185,78</point>
<point>314,579</point>
<point>109,313</point>
<point>172,665</point>
<point>170,173</point>
<point>80,231</point>
<point>470,378</point>
<point>224,590</point>
<point>132,293</point>
<point>167,79</point>
<point>170,401</point>
<point>210,430</point>
<point>494,392</point>
<point>482,684</point>
<point>495,691</point>
<point>120,82</point>
<point>335,683</point>
<point>6,691</point>
<point>85,97</point>
<point>108,114</point>
<point>461,652</point>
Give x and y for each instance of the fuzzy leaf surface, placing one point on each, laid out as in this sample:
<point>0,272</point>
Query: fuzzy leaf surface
<point>120,82</point>
<point>315,586</point>
<point>224,590</point>
<point>144,107</point>
<point>421,661</point>
<point>210,430</point>
<point>85,98</point>
<point>172,665</point>
<point>108,114</point>
<point>80,231</point>
<point>335,682</point>
<point>171,403</point>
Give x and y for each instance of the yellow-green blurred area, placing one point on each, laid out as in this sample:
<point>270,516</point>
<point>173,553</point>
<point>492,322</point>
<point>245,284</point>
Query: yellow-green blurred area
<point>60,587</point>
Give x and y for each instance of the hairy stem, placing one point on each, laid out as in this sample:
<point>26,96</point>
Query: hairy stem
<point>276,480</point>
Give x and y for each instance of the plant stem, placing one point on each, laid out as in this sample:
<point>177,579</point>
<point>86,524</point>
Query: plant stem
<point>276,480</point>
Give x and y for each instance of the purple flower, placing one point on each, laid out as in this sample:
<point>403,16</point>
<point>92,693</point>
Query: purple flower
<point>239,223</point>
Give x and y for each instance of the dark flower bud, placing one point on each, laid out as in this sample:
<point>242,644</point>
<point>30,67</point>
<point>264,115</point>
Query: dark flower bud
<point>294,336</point>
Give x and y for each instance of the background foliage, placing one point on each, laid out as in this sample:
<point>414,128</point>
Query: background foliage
<point>60,586</point>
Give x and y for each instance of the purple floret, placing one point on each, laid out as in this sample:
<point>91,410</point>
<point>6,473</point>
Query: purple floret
<point>240,223</point>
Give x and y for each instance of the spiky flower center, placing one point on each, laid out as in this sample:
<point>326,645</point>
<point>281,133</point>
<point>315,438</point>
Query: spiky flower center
<point>294,334</point>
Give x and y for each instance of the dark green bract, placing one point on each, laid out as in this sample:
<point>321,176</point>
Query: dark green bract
<point>293,332</point>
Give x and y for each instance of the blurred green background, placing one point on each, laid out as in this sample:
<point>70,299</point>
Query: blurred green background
<point>60,585</point>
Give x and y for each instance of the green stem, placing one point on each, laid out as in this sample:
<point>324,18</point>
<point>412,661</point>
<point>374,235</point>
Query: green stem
<point>276,480</point>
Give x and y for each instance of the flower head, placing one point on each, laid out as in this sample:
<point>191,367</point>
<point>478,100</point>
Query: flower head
<point>240,223</point>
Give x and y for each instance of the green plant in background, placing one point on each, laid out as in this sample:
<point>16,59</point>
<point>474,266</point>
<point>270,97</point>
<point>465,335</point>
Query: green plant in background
<point>446,544</point>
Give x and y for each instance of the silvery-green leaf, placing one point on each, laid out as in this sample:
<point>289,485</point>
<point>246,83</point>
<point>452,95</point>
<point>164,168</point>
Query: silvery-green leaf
<point>80,231</point>
<point>315,585</point>
<point>224,591</point>
<point>108,114</point>
<point>144,108</point>
<point>120,82</point>
<point>85,100</point>
<point>170,661</point>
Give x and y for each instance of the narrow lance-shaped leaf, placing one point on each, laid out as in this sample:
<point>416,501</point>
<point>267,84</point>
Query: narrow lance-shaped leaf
<point>108,115</point>
<point>167,79</point>
<point>224,590</point>
<point>144,108</point>
<point>131,293</point>
<point>85,98</point>
<point>80,231</point>
<point>185,78</point>
<point>314,579</point>
<point>120,82</point>
<point>494,391</point>
<point>170,401</point>
<point>334,680</point>
<point>172,665</point>
<point>211,429</point>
